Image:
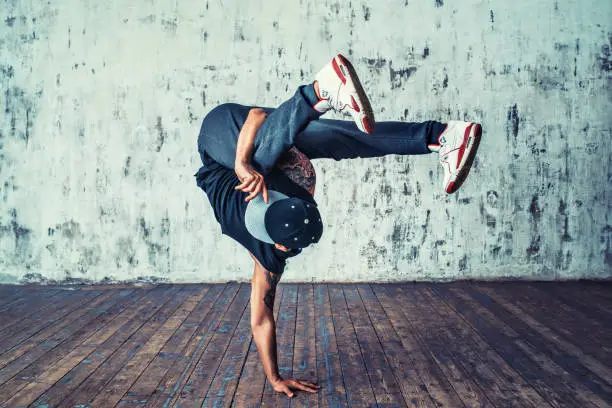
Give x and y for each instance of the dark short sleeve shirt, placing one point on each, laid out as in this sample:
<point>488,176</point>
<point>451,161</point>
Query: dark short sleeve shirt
<point>218,182</point>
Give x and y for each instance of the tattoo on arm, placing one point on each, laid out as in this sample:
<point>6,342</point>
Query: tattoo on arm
<point>297,166</point>
<point>272,279</point>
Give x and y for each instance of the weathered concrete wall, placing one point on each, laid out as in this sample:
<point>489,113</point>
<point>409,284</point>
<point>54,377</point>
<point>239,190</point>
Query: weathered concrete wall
<point>102,101</point>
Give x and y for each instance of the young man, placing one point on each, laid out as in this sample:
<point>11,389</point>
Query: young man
<point>258,177</point>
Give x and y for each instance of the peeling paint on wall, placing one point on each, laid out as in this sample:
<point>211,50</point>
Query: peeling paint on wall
<point>101,105</point>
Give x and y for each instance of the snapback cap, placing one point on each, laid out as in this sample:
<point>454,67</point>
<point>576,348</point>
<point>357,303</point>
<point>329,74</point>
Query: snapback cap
<point>288,221</point>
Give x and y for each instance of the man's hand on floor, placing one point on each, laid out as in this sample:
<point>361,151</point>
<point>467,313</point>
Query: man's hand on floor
<point>286,385</point>
<point>252,181</point>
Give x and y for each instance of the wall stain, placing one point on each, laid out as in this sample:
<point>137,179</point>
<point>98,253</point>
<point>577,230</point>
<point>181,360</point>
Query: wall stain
<point>148,19</point>
<point>375,255</point>
<point>397,76</point>
<point>564,220</point>
<point>366,13</point>
<point>425,226</point>
<point>439,3</point>
<point>125,253</point>
<point>161,134</point>
<point>7,71</point>
<point>169,26</point>
<point>463,263</point>
<point>604,59</point>
<point>13,227</point>
<point>374,63</point>
<point>70,229</point>
<point>190,116</point>
<point>238,33</point>
<point>165,225</point>
<point>159,254</point>
<point>21,235</point>
<point>513,121</point>
<point>126,167</point>
<point>492,197</point>
<point>536,214</point>
<point>606,241</point>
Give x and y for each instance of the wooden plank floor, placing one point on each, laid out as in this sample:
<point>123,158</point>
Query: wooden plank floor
<point>503,344</point>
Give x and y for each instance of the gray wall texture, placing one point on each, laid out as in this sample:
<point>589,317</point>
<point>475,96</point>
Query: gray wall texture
<point>101,103</point>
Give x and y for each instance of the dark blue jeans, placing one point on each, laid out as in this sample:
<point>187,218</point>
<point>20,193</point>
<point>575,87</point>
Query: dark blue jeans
<point>296,123</point>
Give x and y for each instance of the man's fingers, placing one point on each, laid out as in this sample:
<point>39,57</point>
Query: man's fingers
<point>309,384</point>
<point>251,183</point>
<point>245,182</point>
<point>265,192</point>
<point>299,386</point>
<point>287,391</point>
<point>254,193</point>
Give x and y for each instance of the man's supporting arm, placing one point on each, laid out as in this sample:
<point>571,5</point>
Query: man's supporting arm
<point>263,289</point>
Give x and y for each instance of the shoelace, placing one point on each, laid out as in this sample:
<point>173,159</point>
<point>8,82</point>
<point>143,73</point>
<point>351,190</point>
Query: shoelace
<point>334,100</point>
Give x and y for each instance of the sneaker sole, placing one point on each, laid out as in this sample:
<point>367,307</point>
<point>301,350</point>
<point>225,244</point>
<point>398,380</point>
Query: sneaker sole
<point>363,102</point>
<point>467,165</point>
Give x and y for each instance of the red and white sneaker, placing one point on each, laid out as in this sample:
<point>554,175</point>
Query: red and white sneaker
<point>340,89</point>
<point>457,146</point>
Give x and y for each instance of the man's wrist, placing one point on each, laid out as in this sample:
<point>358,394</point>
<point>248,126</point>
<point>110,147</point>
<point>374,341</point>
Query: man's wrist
<point>243,161</point>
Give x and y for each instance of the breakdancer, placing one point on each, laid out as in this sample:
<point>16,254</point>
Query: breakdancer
<point>260,182</point>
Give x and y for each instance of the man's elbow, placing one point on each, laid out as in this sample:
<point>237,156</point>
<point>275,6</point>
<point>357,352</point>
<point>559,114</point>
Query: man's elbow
<point>256,322</point>
<point>262,321</point>
<point>257,114</point>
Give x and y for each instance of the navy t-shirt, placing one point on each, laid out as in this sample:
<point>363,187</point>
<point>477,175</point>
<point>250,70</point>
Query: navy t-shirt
<point>228,204</point>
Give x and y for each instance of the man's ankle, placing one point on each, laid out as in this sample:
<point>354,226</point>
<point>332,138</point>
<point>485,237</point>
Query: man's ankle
<point>316,88</point>
<point>310,93</point>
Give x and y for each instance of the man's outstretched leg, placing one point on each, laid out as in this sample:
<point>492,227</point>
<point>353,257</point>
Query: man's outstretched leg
<point>456,143</point>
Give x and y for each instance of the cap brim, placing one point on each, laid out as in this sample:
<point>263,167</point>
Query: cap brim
<point>255,215</point>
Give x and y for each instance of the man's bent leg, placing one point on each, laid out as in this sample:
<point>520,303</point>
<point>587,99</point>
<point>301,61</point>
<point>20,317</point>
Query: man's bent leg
<point>338,139</point>
<point>221,127</point>
<point>277,133</point>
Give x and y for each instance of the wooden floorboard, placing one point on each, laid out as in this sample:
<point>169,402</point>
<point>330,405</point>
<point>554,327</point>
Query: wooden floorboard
<point>100,348</point>
<point>454,344</point>
<point>106,360</point>
<point>305,352</point>
<point>423,382</point>
<point>359,390</point>
<point>514,341</point>
<point>48,346</point>
<point>481,344</point>
<point>329,369</point>
<point>382,377</point>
